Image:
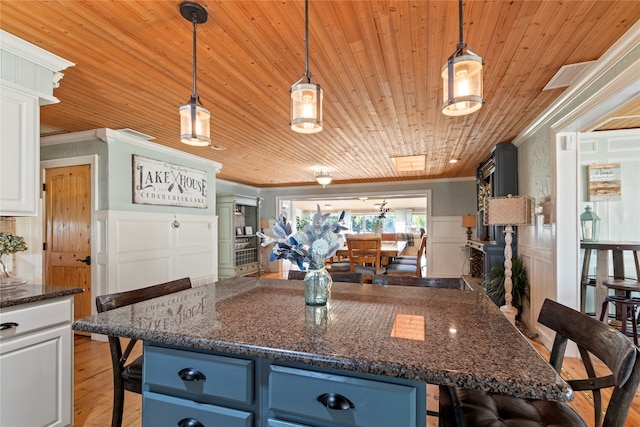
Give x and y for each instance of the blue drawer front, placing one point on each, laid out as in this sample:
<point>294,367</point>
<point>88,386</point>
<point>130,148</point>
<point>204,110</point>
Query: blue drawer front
<point>159,410</point>
<point>226,377</point>
<point>293,395</point>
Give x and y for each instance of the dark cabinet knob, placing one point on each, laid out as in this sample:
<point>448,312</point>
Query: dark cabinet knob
<point>335,401</point>
<point>190,374</point>
<point>189,422</point>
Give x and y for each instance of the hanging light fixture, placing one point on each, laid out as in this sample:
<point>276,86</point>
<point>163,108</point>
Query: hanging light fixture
<point>306,97</point>
<point>194,119</point>
<point>324,178</point>
<point>462,80</point>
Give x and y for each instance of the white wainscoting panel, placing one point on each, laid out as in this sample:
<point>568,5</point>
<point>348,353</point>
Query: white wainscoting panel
<point>446,255</point>
<point>137,249</point>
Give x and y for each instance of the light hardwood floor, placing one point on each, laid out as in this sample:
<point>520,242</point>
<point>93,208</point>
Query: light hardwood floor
<point>93,389</point>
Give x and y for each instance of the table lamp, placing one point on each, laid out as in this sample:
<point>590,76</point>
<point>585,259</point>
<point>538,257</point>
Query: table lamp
<point>468,221</point>
<point>509,211</point>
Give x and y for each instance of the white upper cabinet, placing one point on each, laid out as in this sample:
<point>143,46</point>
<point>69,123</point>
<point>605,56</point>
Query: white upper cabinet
<point>28,75</point>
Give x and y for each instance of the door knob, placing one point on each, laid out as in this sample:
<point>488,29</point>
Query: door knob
<point>87,260</point>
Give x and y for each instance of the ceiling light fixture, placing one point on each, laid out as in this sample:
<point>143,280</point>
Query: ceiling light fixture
<point>194,119</point>
<point>462,79</point>
<point>306,98</point>
<point>324,178</point>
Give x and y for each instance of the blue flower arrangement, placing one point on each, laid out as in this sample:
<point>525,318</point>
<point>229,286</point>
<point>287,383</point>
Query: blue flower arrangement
<point>316,242</point>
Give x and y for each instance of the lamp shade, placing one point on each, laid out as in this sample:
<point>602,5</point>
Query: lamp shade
<point>194,125</point>
<point>306,108</point>
<point>462,85</point>
<point>510,210</point>
<point>469,221</point>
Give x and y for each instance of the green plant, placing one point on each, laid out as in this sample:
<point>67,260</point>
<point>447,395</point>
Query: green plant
<point>494,283</point>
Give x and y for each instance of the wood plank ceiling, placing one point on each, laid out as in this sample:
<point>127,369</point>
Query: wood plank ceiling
<point>378,62</point>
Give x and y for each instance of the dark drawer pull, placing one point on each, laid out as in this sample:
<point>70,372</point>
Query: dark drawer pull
<point>8,325</point>
<point>189,422</point>
<point>335,401</point>
<point>190,374</point>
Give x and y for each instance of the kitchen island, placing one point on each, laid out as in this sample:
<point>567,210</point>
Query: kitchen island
<point>249,349</point>
<point>36,355</point>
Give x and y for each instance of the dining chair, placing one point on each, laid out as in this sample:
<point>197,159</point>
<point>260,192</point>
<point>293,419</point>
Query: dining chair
<point>127,375</point>
<point>389,237</point>
<point>463,407</point>
<point>336,277</point>
<point>364,256</point>
<point>410,259</point>
<point>408,266</point>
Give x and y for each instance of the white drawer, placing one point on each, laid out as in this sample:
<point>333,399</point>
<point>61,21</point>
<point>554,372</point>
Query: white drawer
<point>32,317</point>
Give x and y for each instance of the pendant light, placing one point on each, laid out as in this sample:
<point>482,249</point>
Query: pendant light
<point>462,80</point>
<point>306,97</point>
<point>194,119</point>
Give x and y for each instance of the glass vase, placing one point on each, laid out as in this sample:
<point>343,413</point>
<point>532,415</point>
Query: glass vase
<point>317,283</point>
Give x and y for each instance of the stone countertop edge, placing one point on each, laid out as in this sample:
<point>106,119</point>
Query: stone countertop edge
<point>280,333</point>
<point>25,294</point>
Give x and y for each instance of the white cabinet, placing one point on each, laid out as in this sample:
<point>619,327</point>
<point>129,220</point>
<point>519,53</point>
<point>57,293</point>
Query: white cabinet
<point>36,362</point>
<point>19,153</point>
<point>27,78</point>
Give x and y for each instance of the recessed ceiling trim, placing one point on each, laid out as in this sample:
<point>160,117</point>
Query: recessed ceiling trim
<point>410,163</point>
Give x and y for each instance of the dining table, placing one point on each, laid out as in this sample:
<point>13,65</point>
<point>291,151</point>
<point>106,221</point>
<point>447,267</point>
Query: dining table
<point>368,340</point>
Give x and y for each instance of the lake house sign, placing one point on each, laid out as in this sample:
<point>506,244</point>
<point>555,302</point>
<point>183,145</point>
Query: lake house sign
<point>162,183</point>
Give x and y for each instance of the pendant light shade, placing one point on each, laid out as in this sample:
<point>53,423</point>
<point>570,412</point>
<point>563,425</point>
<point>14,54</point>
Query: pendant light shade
<point>306,97</point>
<point>194,118</point>
<point>194,124</point>
<point>462,79</point>
<point>306,107</point>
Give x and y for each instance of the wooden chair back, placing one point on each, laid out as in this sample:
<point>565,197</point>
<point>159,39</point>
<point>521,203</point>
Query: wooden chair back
<point>409,266</point>
<point>336,277</point>
<point>607,344</point>
<point>460,407</point>
<point>389,237</point>
<point>364,251</point>
<point>127,375</point>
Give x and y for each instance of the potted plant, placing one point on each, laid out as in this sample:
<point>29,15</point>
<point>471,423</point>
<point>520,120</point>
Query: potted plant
<point>494,283</point>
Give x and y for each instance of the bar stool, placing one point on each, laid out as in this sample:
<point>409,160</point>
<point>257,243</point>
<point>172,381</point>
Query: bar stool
<point>625,304</point>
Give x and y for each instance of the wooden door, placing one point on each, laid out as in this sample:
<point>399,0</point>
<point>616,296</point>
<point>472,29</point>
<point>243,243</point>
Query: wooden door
<point>68,232</point>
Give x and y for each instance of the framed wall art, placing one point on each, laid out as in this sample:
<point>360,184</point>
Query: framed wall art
<point>605,182</point>
<point>161,183</point>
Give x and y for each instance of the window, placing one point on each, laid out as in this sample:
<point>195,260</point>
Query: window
<point>367,223</point>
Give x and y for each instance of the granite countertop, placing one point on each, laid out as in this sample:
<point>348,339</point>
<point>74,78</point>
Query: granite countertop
<point>24,294</point>
<point>438,336</point>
